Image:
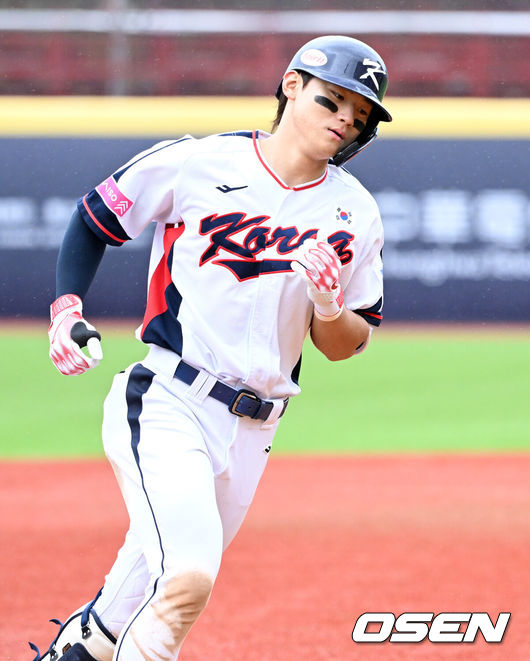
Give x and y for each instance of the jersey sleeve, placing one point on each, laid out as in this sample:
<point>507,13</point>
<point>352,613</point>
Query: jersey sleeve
<point>140,192</point>
<point>364,292</point>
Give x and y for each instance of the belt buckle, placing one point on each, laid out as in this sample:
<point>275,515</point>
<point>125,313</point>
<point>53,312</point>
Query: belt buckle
<point>237,399</point>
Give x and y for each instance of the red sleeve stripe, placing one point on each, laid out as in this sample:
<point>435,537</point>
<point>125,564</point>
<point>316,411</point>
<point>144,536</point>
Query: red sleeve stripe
<point>370,314</point>
<point>96,221</point>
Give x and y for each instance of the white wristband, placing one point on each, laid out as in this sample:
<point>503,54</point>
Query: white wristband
<point>328,305</point>
<point>329,312</point>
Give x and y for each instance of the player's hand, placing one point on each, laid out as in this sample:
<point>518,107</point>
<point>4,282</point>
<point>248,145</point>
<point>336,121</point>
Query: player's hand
<point>69,332</point>
<point>317,263</point>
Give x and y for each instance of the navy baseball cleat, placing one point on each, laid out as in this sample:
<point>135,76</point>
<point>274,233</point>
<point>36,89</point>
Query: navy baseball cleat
<point>83,637</point>
<point>75,653</point>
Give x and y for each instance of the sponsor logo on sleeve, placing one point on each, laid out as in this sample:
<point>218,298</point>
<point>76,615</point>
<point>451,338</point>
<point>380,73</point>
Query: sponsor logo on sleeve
<point>114,199</point>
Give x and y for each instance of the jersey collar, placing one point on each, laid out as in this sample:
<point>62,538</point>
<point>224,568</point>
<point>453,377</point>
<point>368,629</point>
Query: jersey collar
<point>257,148</point>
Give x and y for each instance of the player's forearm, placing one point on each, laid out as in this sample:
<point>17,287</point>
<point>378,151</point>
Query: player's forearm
<point>79,257</point>
<point>339,339</point>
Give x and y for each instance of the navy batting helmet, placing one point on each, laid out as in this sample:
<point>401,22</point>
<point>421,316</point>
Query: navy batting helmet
<point>351,64</point>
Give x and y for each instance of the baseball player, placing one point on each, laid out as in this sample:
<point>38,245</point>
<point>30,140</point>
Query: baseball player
<point>260,239</point>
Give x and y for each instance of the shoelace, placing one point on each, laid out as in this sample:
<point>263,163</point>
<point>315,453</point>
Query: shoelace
<point>50,649</point>
<point>84,629</point>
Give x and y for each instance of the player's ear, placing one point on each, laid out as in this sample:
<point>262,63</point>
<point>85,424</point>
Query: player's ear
<point>292,81</point>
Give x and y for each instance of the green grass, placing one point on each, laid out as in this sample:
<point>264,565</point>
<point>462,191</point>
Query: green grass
<point>410,392</point>
<point>420,393</point>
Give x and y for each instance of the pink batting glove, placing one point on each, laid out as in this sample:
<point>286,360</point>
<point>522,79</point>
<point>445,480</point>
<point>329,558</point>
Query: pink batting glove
<point>69,332</point>
<point>319,266</point>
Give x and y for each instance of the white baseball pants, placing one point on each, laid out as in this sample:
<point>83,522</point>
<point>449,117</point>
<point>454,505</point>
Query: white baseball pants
<point>188,470</point>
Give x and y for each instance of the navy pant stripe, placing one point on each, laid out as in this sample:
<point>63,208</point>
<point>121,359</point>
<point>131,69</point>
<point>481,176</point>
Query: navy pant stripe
<point>140,380</point>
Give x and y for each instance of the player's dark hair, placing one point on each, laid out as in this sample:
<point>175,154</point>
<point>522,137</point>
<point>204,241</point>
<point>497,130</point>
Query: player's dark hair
<point>282,100</point>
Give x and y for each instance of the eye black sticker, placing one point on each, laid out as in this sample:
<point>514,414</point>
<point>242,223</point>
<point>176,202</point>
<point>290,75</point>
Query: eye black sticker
<point>359,125</point>
<point>327,103</point>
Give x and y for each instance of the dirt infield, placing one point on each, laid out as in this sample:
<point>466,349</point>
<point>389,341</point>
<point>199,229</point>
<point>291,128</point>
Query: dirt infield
<point>326,540</point>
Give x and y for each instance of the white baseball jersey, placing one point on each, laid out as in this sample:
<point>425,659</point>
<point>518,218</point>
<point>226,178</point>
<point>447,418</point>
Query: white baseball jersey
<point>221,292</point>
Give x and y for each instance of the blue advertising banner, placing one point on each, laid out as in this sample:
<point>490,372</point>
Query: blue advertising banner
<point>456,214</point>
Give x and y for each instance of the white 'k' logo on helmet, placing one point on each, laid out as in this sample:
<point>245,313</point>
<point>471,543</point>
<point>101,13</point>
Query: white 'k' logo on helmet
<point>372,69</point>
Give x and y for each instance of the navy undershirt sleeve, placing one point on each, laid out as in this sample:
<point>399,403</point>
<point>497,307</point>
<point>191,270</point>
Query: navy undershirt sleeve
<point>79,257</point>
